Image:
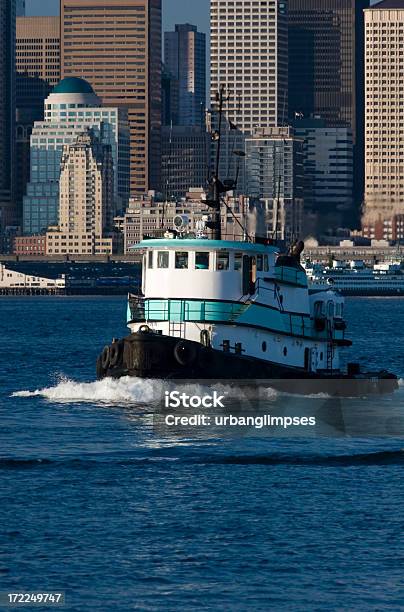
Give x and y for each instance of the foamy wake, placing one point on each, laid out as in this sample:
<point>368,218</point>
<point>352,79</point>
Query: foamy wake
<point>109,391</point>
<point>127,390</point>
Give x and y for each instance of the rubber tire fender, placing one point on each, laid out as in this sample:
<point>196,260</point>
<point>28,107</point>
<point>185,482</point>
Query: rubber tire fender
<point>115,354</point>
<point>105,357</point>
<point>185,353</point>
<point>99,369</point>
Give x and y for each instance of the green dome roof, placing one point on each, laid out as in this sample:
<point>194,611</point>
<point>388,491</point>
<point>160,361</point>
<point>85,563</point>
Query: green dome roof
<point>73,85</point>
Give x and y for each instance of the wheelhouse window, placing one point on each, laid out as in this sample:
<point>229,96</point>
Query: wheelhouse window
<point>222,261</point>
<point>260,264</point>
<point>238,261</point>
<point>202,261</point>
<point>163,259</point>
<point>266,263</point>
<point>181,260</point>
<point>150,260</point>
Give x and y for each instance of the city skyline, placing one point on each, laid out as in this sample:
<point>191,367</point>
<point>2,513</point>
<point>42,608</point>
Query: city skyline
<point>174,11</point>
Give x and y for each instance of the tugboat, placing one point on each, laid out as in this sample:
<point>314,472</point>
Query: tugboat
<point>218,309</point>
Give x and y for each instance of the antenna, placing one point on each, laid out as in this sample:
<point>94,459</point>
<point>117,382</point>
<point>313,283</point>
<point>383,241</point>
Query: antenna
<point>217,226</point>
<point>170,150</point>
<point>275,232</point>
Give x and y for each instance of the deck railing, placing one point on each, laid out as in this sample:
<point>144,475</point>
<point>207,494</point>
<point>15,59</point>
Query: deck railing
<point>142,310</point>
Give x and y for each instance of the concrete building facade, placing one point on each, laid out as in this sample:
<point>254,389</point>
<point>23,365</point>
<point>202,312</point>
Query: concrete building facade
<point>37,64</point>
<point>116,47</point>
<point>275,177</point>
<point>71,108</point>
<point>384,133</point>
<point>86,205</point>
<point>7,113</point>
<point>37,72</point>
<point>185,59</point>
<point>20,8</point>
<point>249,59</point>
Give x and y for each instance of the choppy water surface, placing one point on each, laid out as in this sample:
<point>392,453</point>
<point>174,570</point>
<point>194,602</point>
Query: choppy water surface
<point>97,501</point>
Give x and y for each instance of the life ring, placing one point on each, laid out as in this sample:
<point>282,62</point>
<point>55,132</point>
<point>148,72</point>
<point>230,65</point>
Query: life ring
<point>185,353</point>
<point>105,356</point>
<point>114,353</point>
<point>144,329</point>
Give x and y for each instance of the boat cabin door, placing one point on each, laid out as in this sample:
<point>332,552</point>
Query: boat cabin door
<point>249,274</point>
<point>310,359</point>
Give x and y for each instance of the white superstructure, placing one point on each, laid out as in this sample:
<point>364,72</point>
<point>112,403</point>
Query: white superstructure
<point>240,298</point>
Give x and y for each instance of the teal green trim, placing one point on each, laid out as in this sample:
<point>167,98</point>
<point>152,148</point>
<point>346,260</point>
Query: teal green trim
<point>290,276</point>
<point>192,310</point>
<point>245,247</point>
<point>237,313</point>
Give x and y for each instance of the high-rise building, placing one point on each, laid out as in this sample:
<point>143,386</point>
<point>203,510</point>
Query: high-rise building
<point>384,65</point>
<point>185,59</point>
<point>37,64</point>
<point>20,8</point>
<point>7,112</point>
<point>328,171</point>
<point>86,199</point>
<point>116,46</point>
<point>37,72</point>
<point>169,98</point>
<point>71,108</point>
<point>249,59</point>
<point>275,175</point>
<point>185,159</point>
<point>326,69</point>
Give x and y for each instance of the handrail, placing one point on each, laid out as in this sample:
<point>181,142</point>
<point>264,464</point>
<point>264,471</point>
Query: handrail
<point>204,310</point>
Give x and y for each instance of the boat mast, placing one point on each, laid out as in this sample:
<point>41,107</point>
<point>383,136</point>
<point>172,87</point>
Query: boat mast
<point>217,231</point>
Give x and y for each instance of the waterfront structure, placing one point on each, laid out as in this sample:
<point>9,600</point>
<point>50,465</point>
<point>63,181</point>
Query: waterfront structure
<point>37,72</point>
<point>71,108</point>
<point>249,59</point>
<point>7,113</point>
<point>16,282</point>
<point>326,69</point>
<point>384,63</point>
<point>328,171</point>
<point>116,47</point>
<point>275,176</point>
<point>185,159</point>
<point>86,207</point>
<point>185,59</point>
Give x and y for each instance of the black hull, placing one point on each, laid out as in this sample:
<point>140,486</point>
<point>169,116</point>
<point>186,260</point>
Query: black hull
<point>154,356</point>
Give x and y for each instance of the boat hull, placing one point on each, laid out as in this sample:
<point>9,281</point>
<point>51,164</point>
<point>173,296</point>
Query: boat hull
<point>155,356</point>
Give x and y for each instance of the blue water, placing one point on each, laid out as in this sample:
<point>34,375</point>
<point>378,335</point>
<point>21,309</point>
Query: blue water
<point>94,501</point>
